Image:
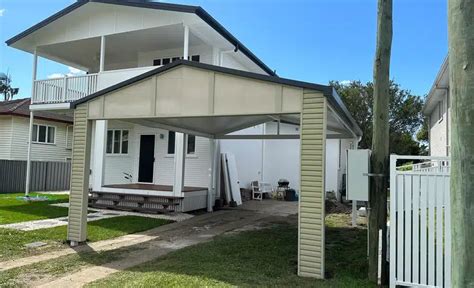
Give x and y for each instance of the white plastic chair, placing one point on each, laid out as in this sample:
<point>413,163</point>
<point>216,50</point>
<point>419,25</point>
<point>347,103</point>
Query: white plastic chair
<point>260,188</point>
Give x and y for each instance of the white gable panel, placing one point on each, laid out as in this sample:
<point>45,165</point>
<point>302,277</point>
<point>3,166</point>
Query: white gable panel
<point>97,19</point>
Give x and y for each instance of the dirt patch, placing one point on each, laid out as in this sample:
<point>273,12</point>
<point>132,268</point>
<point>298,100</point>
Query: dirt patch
<point>333,207</point>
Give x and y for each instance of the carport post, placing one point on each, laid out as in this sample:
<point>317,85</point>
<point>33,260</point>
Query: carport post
<point>78,198</point>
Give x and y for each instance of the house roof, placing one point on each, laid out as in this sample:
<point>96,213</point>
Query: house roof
<point>21,107</point>
<point>328,91</point>
<point>438,88</point>
<point>199,11</point>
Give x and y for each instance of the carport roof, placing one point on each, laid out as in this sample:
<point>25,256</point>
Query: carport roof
<point>328,91</point>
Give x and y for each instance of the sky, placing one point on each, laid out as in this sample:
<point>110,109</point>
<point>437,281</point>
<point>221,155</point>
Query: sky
<point>309,40</point>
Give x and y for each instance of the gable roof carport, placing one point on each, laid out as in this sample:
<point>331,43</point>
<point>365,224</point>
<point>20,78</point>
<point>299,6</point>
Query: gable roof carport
<point>212,101</point>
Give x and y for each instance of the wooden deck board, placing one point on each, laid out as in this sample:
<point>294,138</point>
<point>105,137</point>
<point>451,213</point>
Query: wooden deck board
<point>154,187</point>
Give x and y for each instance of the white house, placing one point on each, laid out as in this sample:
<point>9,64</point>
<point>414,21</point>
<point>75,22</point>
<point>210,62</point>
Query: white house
<point>166,85</point>
<point>437,109</point>
<point>51,139</point>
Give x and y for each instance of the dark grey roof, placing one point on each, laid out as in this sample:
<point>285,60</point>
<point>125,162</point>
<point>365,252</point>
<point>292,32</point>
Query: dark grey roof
<point>328,91</point>
<point>206,17</point>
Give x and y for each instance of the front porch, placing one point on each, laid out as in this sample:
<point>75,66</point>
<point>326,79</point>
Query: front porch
<point>148,198</point>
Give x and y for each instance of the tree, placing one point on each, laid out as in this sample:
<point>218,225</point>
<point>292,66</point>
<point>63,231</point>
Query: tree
<point>5,87</point>
<point>405,115</point>
<point>380,143</point>
<point>461,88</point>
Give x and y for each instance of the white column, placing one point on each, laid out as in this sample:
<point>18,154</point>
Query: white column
<point>102,54</point>
<point>214,152</point>
<point>215,56</point>
<point>354,146</point>
<point>179,164</point>
<point>100,140</point>
<point>186,43</point>
<point>30,132</point>
<point>28,159</point>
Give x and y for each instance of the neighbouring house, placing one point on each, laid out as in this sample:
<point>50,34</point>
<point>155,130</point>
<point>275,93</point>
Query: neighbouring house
<point>437,109</point>
<point>51,137</point>
<point>166,89</point>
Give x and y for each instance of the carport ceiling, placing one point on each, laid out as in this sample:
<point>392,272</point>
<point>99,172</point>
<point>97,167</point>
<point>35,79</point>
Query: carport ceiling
<point>207,126</point>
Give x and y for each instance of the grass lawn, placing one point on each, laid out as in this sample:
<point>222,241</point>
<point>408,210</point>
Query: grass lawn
<point>13,210</point>
<point>265,258</point>
<point>12,241</point>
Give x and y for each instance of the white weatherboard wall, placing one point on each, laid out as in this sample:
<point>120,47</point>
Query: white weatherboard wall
<point>197,165</point>
<point>14,133</point>
<point>5,137</point>
<point>332,164</point>
<point>440,129</point>
<point>271,160</point>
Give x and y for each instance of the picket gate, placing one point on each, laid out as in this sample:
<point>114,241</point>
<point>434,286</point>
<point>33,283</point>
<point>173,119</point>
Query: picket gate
<point>420,237</point>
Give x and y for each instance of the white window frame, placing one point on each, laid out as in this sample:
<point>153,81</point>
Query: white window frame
<point>190,57</point>
<point>189,155</point>
<point>441,111</point>
<point>69,133</point>
<point>120,142</point>
<point>46,136</point>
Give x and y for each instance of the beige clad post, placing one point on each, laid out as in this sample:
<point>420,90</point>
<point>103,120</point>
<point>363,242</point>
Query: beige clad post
<point>311,205</point>
<point>77,225</point>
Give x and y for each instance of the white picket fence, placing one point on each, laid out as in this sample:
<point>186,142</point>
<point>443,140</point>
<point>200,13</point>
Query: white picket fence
<point>420,238</point>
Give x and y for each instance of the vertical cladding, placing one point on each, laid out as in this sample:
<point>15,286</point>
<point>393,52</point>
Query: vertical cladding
<point>77,226</point>
<point>311,210</point>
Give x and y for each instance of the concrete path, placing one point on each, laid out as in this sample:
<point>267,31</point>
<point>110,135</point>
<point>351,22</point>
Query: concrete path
<point>98,214</point>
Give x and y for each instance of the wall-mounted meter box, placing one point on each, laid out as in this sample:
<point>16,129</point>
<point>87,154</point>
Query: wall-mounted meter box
<point>357,179</point>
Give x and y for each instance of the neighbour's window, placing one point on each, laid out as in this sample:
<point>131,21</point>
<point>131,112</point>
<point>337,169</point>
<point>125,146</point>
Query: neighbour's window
<point>165,61</point>
<point>43,134</point>
<point>157,62</point>
<point>191,145</point>
<point>171,143</point>
<point>440,110</point>
<point>117,141</point>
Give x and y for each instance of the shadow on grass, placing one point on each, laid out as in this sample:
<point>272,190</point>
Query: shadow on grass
<point>255,258</point>
<point>32,211</point>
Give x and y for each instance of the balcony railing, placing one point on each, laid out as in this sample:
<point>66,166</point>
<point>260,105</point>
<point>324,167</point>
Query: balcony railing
<point>64,90</point>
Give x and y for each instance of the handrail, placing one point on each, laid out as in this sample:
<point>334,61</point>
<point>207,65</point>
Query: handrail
<point>64,89</point>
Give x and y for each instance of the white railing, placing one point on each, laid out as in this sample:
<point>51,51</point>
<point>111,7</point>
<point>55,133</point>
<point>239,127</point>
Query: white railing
<point>433,165</point>
<point>64,90</point>
<point>420,222</point>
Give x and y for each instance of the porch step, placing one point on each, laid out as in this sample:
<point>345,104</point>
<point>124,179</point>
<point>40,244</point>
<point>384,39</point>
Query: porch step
<point>134,202</point>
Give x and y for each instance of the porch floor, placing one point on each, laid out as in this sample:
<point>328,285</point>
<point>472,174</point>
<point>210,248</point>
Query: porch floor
<point>154,187</point>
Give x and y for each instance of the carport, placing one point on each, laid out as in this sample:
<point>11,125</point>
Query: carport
<point>210,101</point>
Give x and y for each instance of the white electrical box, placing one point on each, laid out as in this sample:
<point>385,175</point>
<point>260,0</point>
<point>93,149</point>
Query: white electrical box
<point>357,178</point>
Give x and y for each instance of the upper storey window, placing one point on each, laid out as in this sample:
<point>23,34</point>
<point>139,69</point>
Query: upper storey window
<point>164,61</point>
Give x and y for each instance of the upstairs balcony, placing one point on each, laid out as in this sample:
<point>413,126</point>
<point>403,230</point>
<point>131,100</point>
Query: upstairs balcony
<point>65,89</point>
<point>68,89</point>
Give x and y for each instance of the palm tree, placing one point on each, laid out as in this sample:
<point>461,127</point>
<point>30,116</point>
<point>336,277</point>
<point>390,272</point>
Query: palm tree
<point>6,88</point>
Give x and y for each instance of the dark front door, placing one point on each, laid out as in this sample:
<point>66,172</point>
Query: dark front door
<point>147,158</point>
